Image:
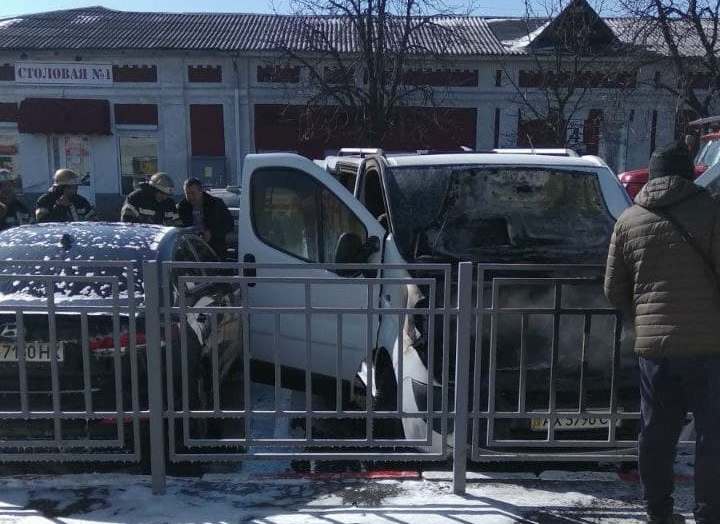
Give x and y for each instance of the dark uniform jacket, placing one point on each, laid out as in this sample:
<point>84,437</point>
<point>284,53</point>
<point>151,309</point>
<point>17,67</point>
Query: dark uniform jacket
<point>48,210</point>
<point>655,276</point>
<point>216,219</point>
<point>141,207</point>
<point>16,215</point>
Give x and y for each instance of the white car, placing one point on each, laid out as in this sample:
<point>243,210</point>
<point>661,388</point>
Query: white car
<point>481,207</point>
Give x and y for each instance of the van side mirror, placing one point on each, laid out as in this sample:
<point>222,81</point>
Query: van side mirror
<point>350,249</point>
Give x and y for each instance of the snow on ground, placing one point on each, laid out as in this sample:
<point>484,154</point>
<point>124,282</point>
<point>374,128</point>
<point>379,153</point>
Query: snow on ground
<point>244,493</point>
<point>84,499</point>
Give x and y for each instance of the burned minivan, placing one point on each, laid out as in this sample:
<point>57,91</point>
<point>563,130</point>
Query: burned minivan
<point>407,213</point>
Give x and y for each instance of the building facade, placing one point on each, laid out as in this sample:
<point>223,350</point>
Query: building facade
<point>117,96</point>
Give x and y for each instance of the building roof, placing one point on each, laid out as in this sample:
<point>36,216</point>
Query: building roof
<point>101,28</point>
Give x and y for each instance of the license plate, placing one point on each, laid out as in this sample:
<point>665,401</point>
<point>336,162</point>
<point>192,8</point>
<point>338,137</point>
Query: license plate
<point>34,352</point>
<point>571,424</point>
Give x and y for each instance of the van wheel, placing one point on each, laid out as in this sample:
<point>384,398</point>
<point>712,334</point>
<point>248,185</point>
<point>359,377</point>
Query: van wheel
<point>386,398</point>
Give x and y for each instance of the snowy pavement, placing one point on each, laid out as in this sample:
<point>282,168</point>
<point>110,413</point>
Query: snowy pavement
<point>236,498</point>
<point>259,491</point>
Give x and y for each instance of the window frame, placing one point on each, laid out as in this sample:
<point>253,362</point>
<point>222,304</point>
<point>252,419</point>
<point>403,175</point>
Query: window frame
<point>318,188</point>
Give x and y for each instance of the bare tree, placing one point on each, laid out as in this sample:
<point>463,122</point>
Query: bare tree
<point>365,61</point>
<point>682,35</point>
<point>575,61</point>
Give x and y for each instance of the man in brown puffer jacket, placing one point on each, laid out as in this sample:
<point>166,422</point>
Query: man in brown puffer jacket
<point>663,281</point>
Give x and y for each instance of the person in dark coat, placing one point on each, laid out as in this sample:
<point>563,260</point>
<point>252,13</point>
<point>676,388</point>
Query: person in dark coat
<point>62,202</point>
<point>152,203</point>
<point>664,254</point>
<point>207,214</point>
<point>12,211</point>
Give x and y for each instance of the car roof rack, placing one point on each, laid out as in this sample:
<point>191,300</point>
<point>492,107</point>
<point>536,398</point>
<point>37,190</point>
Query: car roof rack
<point>362,152</point>
<point>547,151</point>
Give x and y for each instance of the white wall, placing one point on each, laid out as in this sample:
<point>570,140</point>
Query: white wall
<point>239,91</point>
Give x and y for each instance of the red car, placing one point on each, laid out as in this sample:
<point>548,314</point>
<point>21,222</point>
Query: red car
<point>709,153</point>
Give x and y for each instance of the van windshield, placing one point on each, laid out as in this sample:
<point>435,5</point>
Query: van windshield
<point>499,214</point>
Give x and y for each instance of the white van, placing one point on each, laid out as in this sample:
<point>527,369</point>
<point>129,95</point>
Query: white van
<point>480,207</point>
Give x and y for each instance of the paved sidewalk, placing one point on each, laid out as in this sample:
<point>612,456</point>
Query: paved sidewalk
<point>236,498</point>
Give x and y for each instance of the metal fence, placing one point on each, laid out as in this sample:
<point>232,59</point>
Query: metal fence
<point>392,363</point>
<point>70,392</point>
<point>540,292</point>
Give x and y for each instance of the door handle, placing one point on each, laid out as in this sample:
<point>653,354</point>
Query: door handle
<point>249,272</point>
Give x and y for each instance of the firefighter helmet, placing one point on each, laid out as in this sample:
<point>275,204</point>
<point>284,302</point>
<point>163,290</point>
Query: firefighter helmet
<point>163,183</point>
<point>7,176</point>
<point>66,177</point>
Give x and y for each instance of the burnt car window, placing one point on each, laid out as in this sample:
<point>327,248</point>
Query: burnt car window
<point>499,213</point>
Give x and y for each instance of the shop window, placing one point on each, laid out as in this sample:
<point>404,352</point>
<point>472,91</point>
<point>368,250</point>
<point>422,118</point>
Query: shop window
<point>74,152</point>
<point>9,156</point>
<point>205,74</point>
<point>138,160</point>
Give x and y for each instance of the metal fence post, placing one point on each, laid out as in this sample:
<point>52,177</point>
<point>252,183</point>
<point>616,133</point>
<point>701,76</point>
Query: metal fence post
<point>462,375</point>
<point>154,365</point>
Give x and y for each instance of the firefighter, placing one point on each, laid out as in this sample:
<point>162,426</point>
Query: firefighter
<point>12,211</point>
<point>62,203</point>
<point>152,202</point>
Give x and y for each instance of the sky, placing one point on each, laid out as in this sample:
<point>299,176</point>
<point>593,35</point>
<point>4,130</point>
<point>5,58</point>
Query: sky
<point>18,7</point>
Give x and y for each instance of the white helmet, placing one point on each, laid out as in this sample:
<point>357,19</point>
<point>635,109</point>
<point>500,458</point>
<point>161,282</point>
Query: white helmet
<point>163,183</point>
<point>7,176</point>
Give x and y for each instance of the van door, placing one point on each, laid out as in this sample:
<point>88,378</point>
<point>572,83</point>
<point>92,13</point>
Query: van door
<point>293,212</point>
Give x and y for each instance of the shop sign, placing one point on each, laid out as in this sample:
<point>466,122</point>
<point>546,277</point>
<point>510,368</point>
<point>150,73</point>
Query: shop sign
<point>75,73</point>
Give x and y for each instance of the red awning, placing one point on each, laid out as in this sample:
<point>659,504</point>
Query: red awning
<point>64,116</point>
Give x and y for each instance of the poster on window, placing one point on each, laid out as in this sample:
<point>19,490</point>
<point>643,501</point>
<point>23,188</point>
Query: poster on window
<point>77,156</point>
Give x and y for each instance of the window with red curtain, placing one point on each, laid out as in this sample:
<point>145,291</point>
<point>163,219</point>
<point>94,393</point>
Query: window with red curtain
<point>207,130</point>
